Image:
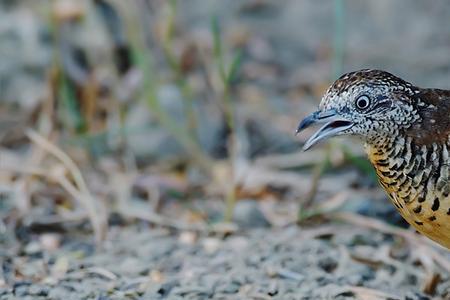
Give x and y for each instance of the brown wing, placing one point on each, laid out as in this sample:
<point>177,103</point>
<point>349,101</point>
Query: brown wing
<point>433,106</point>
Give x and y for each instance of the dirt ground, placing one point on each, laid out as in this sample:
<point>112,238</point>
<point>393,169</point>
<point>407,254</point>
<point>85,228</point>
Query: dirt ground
<point>106,195</point>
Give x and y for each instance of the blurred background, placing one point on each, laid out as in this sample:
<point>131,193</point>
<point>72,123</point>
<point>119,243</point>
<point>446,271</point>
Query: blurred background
<point>182,114</point>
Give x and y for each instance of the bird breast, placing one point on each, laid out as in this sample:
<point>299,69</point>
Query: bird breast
<point>417,180</point>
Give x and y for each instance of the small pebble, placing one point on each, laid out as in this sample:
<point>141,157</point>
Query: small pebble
<point>247,214</point>
<point>156,276</point>
<point>50,241</point>
<point>32,248</point>
<point>211,245</point>
<point>188,237</point>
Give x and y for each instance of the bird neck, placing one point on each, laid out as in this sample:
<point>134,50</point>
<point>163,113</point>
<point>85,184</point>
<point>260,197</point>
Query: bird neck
<point>394,159</point>
<point>405,167</point>
<point>383,147</point>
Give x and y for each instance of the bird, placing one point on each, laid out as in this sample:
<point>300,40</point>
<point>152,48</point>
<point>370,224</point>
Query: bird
<point>406,135</point>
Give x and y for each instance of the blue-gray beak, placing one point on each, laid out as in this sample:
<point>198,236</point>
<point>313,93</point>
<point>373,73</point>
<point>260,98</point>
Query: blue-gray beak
<point>334,125</point>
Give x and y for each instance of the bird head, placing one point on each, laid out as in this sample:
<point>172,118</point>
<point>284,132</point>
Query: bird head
<point>370,103</point>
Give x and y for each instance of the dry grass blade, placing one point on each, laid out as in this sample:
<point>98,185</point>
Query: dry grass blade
<point>311,194</point>
<point>60,155</point>
<point>56,220</point>
<point>80,192</point>
<point>363,293</point>
<point>147,213</point>
<point>333,203</point>
<point>102,272</point>
<point>57,175</point>
<point>157,219</point>
<point>423,245</point>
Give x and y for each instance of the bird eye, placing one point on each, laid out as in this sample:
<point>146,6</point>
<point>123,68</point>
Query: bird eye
<point>362,102</point>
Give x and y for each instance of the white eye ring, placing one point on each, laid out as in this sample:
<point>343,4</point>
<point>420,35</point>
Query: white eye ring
<point>362,102</point>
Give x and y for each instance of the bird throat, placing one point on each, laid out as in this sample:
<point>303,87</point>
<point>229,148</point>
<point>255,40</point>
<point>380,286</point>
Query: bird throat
<point>417,179</point>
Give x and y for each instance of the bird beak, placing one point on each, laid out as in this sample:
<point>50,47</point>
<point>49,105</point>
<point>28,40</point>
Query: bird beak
<point>334,125</point>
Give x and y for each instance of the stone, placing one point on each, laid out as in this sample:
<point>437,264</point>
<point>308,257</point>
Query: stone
<point>247,214</point>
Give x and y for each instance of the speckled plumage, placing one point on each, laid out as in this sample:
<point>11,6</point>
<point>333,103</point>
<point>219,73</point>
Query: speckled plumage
<point>406,130</point>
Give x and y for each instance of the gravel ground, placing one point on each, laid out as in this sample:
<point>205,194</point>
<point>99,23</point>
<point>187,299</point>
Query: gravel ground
<point>288,46</point>
<point>333,261</point>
